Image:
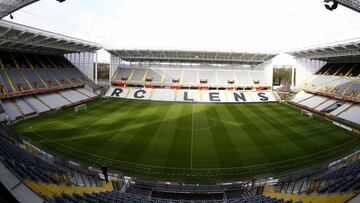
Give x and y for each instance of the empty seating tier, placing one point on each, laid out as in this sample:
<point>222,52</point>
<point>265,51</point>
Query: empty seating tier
<point>191,77</point>
<point>23,74</point>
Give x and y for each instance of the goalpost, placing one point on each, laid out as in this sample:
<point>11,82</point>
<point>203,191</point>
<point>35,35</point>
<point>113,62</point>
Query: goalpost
<point>307,113</point>
<point>79,108</point>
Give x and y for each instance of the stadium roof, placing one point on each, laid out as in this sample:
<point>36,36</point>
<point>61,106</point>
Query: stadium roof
<point>17,37</point>
<point>190,56</point>
<point>9,6</point>
<point>339,51</point>
<point>352,4</point>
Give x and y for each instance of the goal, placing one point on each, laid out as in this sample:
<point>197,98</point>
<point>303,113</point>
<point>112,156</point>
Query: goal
<point>306,113</point>
<point>79,108</point>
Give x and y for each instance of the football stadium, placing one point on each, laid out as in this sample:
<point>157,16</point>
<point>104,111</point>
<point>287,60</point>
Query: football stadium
<point>93,119</point>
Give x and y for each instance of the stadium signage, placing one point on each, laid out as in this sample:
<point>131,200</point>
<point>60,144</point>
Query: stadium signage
<point>222,96</point>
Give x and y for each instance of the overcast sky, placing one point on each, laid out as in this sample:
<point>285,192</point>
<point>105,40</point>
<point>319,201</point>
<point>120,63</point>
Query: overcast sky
<point>223,25</point>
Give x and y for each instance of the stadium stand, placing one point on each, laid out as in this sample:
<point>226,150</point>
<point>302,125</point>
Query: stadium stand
<point>52,181</point>
<point>86,92</point>
<point>342,107</point>
<point>313,101</point>
<point>44,174</point>
<point>35,82</point>
<point>25,106</point>
<point>36,104</point>
<point>334,89</point>
<point>191,76</point>
<point>73,96</point>
<point>11,110</point>
<point>339,80</point>
<point>127,197</point>
<point>39,83</point>
<point>351,114</point>
<point>36,74</point>
<point>337,183</point>
<point>53,100</point>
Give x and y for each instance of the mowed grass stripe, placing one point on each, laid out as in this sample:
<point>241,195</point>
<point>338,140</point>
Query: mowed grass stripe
<point>156,152</point>
<point>278,120</point>
<point>77,139</point>
<point>180,150</point>
<point>272,128</point>
<point>111,132</point>
<point>321,131</point>
<point>238,136</point>
<point>141,139</point>
<point>263,143</point>
<point>204,152</point>
<point>226,153</point>
<point>137,138</point>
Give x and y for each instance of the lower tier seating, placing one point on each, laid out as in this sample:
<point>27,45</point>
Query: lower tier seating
<point>133,198</point>
<point>24,106</point>
<point>345,110</point>
<point>28,166</point>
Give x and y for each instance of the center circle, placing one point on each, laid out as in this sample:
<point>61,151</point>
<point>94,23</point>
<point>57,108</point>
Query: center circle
<point>198,123</point>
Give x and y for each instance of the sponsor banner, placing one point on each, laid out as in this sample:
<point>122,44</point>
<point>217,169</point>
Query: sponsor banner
<point>211,96</point>
<point>342,126</point>
<point>186,96</point>
<point>119,92</point>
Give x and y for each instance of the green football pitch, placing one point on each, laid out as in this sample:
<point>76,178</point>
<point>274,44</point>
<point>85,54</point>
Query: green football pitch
<point>189,142</point>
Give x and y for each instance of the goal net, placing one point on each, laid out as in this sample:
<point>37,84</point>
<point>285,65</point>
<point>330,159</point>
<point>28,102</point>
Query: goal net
<point>79,108</point>
<point>306,113</point>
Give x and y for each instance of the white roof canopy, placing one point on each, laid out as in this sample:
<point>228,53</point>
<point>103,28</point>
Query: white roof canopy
<point>352,4</point>
<point>9,6</point>
<point>190,56</point>
<point>347,50</point>
<point>16,37</point>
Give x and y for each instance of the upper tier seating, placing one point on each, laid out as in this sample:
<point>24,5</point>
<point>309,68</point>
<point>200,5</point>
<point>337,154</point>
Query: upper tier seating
<point>171,75</point>
<point>138,75</point>
<point>154,75</point>
<point>334,89</point>
<point>225,76</point>
<point>22,74</point>
<point>209,75</point>
<point>340,80</point>
<point>189,76</point>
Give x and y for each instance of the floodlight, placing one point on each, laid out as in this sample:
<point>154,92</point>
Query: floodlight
<point>330,6</point>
